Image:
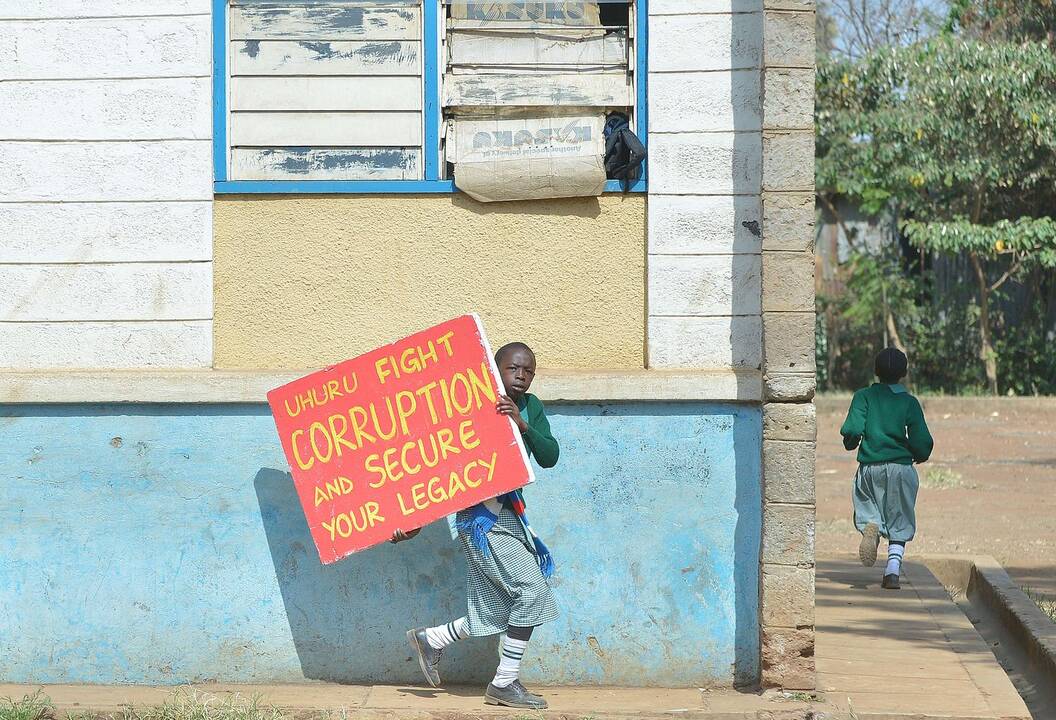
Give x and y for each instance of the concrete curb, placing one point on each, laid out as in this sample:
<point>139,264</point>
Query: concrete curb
<point>982,574</point>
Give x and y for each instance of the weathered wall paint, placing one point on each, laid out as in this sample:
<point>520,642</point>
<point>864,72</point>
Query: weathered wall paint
<point>343,59</point>
<point>307,281</point>
<point>165,544</point>
<point>106,157</point>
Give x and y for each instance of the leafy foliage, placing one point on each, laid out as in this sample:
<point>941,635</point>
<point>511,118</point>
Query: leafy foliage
<point>1030,237</point>
<point>851,329</point>
<point>1026,362</point>
<point>956,136</point>
<point>947,129</point>
<point>1014,20</point>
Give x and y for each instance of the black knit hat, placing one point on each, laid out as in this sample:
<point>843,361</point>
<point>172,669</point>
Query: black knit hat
<point>891,365</point>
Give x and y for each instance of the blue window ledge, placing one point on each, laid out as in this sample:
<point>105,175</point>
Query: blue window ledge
<point>356,187</point>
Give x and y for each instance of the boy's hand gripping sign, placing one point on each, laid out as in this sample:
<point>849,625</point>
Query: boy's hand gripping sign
<point>398,437</point>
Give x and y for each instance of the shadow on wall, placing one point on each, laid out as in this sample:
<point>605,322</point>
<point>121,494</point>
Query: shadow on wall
<point>348,619</point>
<point>747,538</point>
<point>746,168</point>
<point>581,207</point>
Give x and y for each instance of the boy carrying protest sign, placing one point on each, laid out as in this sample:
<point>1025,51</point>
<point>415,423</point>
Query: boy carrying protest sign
<point>886,424</point>
<point>508,564</point>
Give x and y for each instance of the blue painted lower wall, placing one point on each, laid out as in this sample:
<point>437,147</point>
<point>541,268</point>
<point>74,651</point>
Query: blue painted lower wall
<point>165,544</point>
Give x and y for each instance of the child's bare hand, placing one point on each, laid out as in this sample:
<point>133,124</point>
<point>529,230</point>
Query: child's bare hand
<point>506,406</point>
<point>400,535</point>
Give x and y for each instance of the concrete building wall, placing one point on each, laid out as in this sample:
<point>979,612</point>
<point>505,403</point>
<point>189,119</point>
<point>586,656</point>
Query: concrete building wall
<point>789,428</point>
<point>705,113</point>
<point>165,544</point>
<point>164,533</point>
<point>309,281</point>
<point>105,183</point>
<point>731,263</point>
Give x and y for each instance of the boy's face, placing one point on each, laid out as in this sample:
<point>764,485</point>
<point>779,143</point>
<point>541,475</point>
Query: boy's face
<point>517,370</point>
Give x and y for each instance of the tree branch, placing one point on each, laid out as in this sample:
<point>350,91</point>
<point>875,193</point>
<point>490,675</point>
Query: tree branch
<point>1008,274</point>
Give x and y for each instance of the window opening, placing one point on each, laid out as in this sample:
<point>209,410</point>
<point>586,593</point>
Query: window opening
<point>534,79</point>
<point>368,95</point>
<point>325,90</point>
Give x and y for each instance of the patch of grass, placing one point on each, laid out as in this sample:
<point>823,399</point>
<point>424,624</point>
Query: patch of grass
<point>195,705</point>
<point>1047,606</point>
<point>942,478</point>
<point>31,707</point>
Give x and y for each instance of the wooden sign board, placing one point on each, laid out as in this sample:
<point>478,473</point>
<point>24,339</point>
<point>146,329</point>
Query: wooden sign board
<point>398,437</point>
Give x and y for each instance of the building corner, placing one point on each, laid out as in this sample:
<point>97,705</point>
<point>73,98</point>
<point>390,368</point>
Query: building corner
<point>786,573</point>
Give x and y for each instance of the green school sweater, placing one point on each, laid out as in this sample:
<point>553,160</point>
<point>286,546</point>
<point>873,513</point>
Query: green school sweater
<point>539,441</point>
<point>889,424</point>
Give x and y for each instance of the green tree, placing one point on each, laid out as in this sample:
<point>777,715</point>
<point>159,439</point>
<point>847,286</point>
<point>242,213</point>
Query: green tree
<point>1013,20</point>
<point>958,137</point>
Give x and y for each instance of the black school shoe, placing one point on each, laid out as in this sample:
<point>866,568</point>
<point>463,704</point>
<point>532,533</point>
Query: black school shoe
<point>513,695</point>
<point>890,582</point>
<point>428,656</point>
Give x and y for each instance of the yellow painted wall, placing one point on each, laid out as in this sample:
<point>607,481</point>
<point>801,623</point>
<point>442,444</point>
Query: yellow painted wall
<point>305,281</point>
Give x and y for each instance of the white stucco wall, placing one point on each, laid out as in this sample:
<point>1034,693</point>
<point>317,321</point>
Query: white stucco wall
<point>105,183</point>
<point>705,176</point>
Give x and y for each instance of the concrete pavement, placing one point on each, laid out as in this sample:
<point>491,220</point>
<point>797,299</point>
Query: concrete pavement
<point>400,702</point>
<point>910,652</point>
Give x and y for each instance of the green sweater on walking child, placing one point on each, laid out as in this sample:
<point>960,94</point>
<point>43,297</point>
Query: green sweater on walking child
<point>886,425</point>
<point>537,437</point>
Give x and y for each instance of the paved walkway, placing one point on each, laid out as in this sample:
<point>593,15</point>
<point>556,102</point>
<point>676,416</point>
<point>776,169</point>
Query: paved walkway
<point>402,702</point>
<point>885,653</point>
<point>881,655</point>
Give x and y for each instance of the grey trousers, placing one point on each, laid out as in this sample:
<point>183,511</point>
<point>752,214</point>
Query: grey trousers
<point>886,494</point>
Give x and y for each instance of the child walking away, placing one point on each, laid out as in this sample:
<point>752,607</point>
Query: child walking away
<point>887,426</point>
<point>508,564</point>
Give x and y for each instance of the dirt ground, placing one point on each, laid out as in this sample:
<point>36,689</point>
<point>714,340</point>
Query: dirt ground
<point>990,486</point>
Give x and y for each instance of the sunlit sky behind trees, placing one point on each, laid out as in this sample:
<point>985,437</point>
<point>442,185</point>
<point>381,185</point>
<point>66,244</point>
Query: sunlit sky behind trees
<point>851,28</point>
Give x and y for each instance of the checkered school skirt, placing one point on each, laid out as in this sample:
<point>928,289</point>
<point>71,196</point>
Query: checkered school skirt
<point>506,588</point>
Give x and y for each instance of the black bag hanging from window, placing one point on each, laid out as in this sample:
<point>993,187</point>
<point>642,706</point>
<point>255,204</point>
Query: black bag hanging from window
<point>624,152</point>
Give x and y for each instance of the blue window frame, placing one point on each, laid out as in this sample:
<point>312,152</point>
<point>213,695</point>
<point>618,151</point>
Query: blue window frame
<point>433,182</point>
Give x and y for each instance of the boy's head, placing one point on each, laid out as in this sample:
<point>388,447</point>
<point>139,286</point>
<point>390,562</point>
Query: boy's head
<point>891,365</point>
<point>516,363</point>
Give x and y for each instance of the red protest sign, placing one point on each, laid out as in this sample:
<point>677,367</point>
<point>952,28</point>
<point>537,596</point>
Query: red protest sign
<point>398,437</point>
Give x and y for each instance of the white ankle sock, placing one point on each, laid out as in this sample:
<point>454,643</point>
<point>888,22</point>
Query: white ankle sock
<point>894,559</point>
<point>511,652</point>
<point>443,635</point>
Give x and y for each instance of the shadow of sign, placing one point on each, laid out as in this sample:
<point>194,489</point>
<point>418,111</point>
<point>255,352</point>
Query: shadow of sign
<point>348,619</point>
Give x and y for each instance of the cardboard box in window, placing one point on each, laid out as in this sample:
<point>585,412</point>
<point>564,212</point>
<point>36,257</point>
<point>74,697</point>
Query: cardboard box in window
<point>529,158</point>
<point>485,13</point>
